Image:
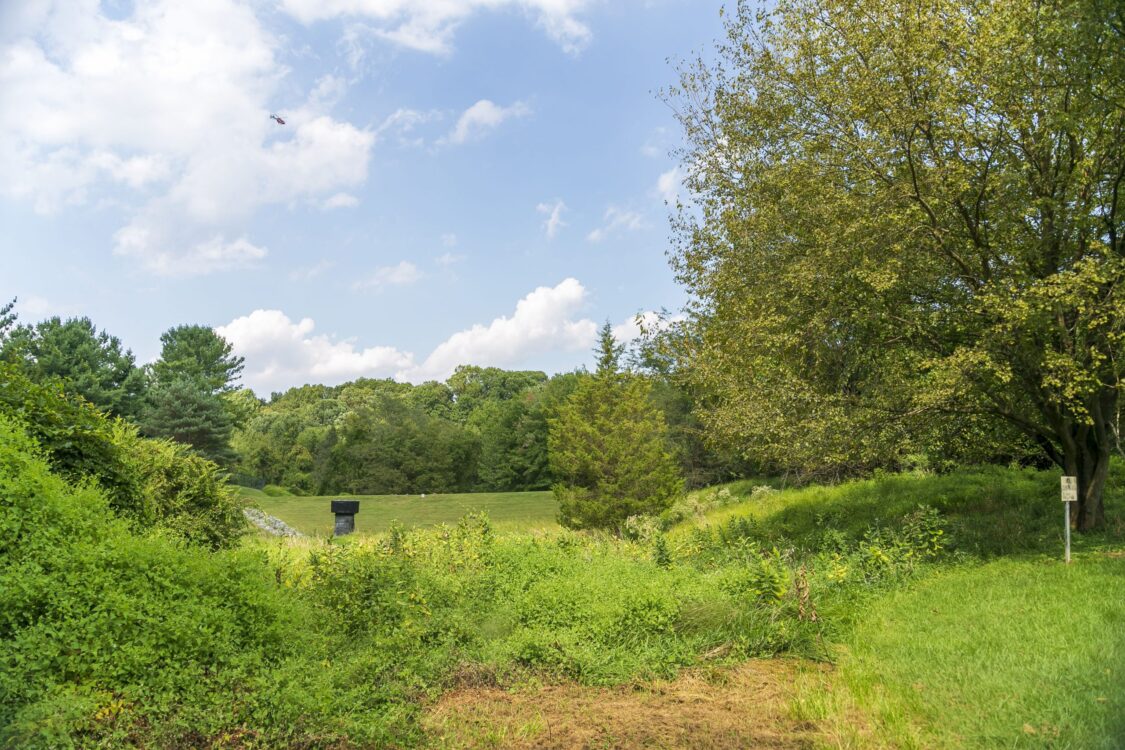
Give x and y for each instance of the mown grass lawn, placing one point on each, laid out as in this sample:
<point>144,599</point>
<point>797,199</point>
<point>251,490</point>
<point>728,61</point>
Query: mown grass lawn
<point>507,511</point>
<point>1015,653</point>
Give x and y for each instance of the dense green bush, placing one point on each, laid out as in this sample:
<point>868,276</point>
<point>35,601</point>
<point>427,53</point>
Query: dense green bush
<point>77,439</point>
<point>180,491</point>
<point>103,632</point>
<point>113,639</point>
<point>150,483</point>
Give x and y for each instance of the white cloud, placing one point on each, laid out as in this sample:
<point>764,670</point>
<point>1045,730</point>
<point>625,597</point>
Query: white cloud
<point>400,274</point>
<point>554,222</point>
<point>616,220</point>
<point>207,256</point>
<point>668,185</point>
<point>403,123</point>
<point>340,200</point>
<point>483,117</point>
<point>449,239</point>
<point>542,322</point>
<point>429,25</point>
<point>169,105</point>
<point>281,353</point>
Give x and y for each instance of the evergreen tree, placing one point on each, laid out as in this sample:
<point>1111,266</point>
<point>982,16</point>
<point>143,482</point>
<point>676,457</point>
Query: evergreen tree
<point>87,361</point>
<point>194,399</point>
<point>609,352</point>
<point>186,412</point>
<point>7,320</point>
<point>197,352</point>
<point>609,448</point>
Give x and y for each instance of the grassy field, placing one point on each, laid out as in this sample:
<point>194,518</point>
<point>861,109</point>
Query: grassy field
<point>1018,653</point>
<point>507,511</point>
<point>1001,645</point>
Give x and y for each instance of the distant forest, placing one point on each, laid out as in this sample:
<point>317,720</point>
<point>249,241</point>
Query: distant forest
<point>483,429</point>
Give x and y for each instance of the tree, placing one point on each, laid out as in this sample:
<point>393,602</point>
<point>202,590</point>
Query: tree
<point>907,231</point>
<point>7,320</point>
<point>656,353</point>
<point>193,399</point>
<point>474,386</point>
<point>609,447</point>
<point>198,353</point>
<point>89,362</point>
<point>185,412</point>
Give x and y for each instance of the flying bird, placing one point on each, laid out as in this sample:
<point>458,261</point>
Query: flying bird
<point>279,120</point>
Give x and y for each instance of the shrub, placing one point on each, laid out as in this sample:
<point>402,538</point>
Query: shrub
<point>180,491</point>
<point>103,633</point>
<point>150,483</point>
<point>75,437</point>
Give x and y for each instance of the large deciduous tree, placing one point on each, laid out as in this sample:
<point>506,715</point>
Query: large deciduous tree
<point>907,228</point>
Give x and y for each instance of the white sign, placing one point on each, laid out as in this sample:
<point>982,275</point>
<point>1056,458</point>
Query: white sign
<point>1070,489</point>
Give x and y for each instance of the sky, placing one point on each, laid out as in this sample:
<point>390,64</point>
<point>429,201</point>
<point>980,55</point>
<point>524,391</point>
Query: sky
<point>456,182</point>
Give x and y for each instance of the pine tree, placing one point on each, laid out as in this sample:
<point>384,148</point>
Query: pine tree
<point>88,361</point>
<point>186,412</point>
<point>609,446</point>
<point>197,352</point>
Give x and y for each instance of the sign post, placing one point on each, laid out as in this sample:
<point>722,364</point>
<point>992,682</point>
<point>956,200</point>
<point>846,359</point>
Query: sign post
<point>1069,495</point>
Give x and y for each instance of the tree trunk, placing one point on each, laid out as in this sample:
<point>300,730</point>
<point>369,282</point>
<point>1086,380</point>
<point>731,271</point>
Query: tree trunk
<point>1087,458</point>
<point>1090,513</point>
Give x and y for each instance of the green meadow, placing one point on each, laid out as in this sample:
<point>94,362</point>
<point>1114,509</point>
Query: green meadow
<point>377,513</point>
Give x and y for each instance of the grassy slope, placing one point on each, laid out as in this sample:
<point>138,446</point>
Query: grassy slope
<point>989,510</point>
<point>522,511</point>
<point>1015,653</point>
<point>1009,648</point>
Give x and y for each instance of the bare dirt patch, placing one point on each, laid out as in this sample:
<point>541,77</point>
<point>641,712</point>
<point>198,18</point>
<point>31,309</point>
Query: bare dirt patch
<point>747,706</point>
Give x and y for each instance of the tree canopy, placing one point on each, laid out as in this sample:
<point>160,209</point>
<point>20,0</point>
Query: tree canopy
<point>906,231</point>
<point>198,353</point>
<point>90,362</point>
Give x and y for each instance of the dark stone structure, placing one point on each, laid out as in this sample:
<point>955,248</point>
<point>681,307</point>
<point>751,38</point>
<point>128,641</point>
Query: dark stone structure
<point>345,511</point>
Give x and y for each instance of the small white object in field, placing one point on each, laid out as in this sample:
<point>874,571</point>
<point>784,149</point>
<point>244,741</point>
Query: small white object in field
<point>423,494</point>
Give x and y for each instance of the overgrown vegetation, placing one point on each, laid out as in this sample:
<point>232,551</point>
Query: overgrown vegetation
<point>321,643</point>
<point>150,483</point>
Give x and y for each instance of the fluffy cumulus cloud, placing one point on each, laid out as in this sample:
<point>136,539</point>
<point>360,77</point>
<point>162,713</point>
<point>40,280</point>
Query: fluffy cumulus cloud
<point>482,118</point>
<point>166,112</point>
<point>429,25</point>
<point>544,321</point>
<point>281,353</point>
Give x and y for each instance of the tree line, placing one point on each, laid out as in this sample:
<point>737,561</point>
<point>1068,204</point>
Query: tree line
<point>626,431</point>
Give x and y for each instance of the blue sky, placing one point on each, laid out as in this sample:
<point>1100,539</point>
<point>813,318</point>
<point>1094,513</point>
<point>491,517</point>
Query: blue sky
<point>481,181</point>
